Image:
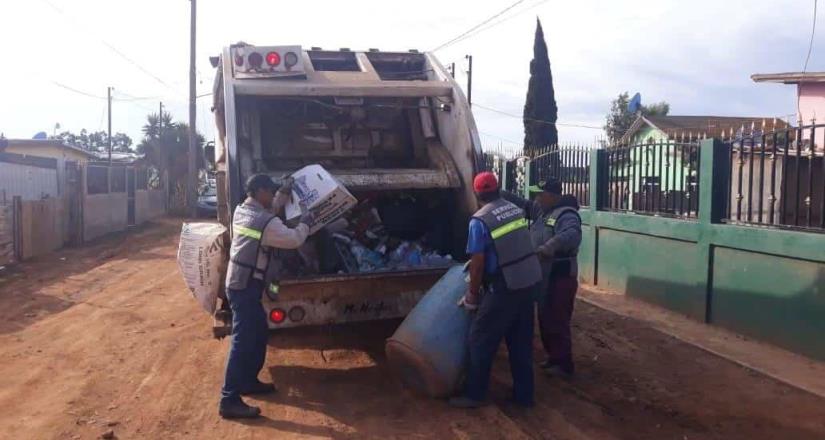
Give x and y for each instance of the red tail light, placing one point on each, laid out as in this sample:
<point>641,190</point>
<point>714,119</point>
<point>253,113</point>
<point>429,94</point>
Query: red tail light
<point>273,59</point>
<point>255,59</point>
<point>277,316</point>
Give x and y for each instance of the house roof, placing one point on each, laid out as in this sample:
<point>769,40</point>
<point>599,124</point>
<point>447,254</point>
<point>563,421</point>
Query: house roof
<point>37,143</point>
<point>789,77</point>
<point>700,127</point>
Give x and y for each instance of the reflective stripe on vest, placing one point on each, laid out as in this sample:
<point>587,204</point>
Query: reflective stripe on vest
<point>508,228</point>
<point>517,261</point>
<point>248,223</point>
<point>248,232</point>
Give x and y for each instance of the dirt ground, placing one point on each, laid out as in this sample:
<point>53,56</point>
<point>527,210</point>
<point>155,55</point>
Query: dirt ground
<point>106,337</point>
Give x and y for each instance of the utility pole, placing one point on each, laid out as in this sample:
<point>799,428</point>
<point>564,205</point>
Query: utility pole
<point>161,153</point>
<point>470,80</point>
<point>452,70</point>
<point>192,178</point>
<point>109,98</point>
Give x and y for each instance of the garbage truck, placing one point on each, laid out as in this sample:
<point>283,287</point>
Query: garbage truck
<point>393,128</point>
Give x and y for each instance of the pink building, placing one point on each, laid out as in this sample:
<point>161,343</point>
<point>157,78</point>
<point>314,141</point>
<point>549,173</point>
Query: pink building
<point>810,88</point>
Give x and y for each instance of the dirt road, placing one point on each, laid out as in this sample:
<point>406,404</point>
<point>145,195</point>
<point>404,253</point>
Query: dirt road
<point>106,338</point>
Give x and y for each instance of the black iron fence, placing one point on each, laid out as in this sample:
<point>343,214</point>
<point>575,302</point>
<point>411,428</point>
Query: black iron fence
<point>568,163</point>
<point>778,178</point>
<point>657,178</point>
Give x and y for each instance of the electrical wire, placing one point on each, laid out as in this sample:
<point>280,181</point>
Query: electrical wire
<point>499,14</point>
<point>79,92</point>
<point>561,124</point>
<point>110,46</point>
<point>503,20</point>
<point>807,58</point>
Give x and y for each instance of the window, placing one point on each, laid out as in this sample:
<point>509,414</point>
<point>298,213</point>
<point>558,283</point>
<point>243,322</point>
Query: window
<point>118,179</point>
<point>97,180</point>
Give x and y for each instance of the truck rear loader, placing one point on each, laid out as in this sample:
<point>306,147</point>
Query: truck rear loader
<point>393,127</point>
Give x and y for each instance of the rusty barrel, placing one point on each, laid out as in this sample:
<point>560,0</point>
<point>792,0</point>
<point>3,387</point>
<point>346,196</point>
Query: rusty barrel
<point>428,351</point>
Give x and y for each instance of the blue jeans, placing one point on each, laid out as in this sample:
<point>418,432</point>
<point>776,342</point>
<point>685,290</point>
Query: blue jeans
<point>508,315</point>
<point>250,332</point>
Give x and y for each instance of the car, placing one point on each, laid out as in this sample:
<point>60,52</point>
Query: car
<point>208,202</point>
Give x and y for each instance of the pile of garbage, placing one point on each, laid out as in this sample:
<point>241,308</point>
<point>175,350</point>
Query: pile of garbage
<point>359,242</point>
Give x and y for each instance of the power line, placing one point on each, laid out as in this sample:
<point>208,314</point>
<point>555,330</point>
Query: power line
<point>499,137</point>
<point>110,46</point>
<point>503,20</point>
<point>512,115</point>
<point>807,58</point>
<point>79,92</point>
<point>499,14</point>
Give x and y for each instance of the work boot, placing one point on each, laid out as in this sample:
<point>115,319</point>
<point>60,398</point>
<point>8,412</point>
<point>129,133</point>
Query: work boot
<point>466,402</point>
<point>562,371</point>
<point>259,388</point>
<point>238,410</point>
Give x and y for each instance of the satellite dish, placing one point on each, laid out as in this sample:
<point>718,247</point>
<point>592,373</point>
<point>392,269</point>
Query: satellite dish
<point>635,103</point>
<point>41,135</point>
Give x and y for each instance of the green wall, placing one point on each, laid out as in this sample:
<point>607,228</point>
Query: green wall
<point>765,283</point>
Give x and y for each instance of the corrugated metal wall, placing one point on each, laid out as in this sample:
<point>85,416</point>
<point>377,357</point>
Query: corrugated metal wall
<point>29,182</point>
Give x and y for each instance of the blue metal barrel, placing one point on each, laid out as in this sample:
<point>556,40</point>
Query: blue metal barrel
<point>428,351</point>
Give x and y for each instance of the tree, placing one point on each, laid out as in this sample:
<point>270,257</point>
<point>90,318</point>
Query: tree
<point>540,110</point>
<point>97,141</point>
<point>619,119</point>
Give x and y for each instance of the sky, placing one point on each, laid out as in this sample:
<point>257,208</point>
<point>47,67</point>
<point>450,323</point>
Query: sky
<point>697,55</point>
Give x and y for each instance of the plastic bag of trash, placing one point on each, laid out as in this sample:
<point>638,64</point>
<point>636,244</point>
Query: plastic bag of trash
<point>201,255</point>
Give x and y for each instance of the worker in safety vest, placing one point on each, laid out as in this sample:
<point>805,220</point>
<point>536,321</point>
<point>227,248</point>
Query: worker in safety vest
<point>257,232</point>
<point>556,230</point>
<point>504,274</point>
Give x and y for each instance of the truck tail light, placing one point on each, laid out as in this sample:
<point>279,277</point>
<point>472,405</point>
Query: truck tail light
<point>273,59</point>
<point>290,59</point>
<point>297,314</point>
<point>255,60</point>
<point>277,316</point>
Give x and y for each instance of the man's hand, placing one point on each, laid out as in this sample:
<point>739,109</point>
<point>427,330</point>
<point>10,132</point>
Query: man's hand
<point>286,185</point>
<point>546,251</point>
<point>307,216</point>
<point>469,301</point>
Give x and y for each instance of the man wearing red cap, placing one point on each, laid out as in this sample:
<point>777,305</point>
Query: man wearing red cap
<point>504,273</point>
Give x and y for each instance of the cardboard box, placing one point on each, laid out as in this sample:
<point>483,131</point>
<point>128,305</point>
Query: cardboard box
<point>322,193</point>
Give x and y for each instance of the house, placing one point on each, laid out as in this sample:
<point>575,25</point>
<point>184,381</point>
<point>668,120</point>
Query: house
<point>810,90</point>
<point>52,148</point>
<point>37,168</point>
<point>692,128</point>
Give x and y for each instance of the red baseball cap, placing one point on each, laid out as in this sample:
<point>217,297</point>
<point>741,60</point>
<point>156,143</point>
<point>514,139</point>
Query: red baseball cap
<point>485,182</point>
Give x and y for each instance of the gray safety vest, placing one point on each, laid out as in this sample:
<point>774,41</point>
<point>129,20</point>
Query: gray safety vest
<point>543,229</point>
<point>248,224</point>
<point>517,260</point>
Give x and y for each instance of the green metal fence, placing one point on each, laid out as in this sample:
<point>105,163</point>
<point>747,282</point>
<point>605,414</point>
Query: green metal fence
<point>767,282</point>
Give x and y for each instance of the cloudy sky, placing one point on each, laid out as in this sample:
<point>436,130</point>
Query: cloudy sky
<point>60,55</point>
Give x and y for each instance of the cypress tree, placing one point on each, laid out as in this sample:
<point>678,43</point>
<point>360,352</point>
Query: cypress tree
<point>540,111</point>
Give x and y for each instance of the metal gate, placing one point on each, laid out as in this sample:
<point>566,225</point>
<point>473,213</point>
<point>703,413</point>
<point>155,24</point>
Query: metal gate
<point>130,192</point>
<point>74,204</point>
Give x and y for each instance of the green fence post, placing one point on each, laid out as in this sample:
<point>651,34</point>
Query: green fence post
<point>598,178</point>
<point>714,169</point>
<point>527,178</point>
<point>503,176</point>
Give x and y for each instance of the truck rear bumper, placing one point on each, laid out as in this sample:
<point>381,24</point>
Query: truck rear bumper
<point>348,298</point>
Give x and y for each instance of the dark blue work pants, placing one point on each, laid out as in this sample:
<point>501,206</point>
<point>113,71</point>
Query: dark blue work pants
<point>250,332</point>
<point>508,315</point>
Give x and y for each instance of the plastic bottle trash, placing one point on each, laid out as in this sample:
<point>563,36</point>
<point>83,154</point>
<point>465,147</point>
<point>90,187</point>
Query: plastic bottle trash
<point>428,351</point>
<point>368,260</point>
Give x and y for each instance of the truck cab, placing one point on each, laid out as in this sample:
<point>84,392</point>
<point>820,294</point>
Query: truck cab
<point>393,127</point>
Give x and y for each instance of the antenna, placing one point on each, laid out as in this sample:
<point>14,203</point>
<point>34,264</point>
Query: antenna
<point>635,103</point>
